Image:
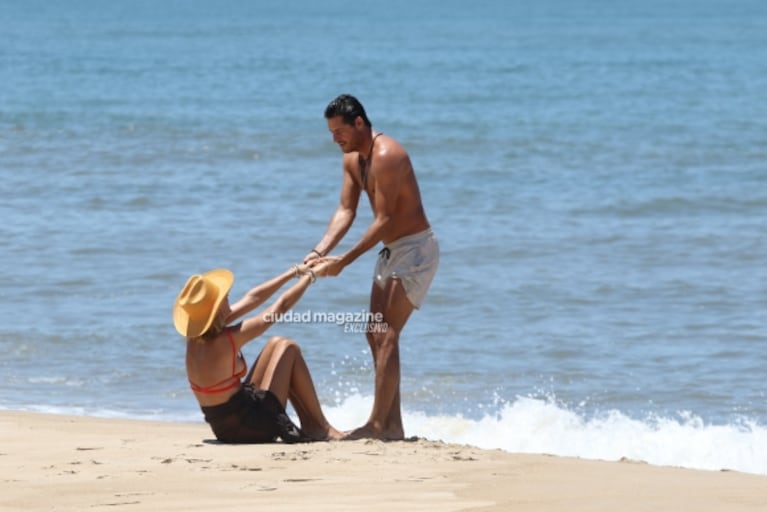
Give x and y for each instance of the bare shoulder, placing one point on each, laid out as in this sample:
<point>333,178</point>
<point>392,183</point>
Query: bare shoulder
<point>391,152</point>
<point>349,162</point>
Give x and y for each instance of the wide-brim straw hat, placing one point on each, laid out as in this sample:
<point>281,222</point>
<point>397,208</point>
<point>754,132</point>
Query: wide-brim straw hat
<point>197,304</point>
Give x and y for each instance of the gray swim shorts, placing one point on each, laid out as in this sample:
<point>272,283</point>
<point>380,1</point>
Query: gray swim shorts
<point>413,259</point>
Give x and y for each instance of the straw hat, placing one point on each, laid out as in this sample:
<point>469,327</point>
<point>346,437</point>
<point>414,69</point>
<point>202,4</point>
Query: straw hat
<point>197,304</point>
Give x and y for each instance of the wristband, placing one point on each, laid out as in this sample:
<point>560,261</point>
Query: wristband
<point>312,275</point>
<point>295,269</point>
<point>318,253</point>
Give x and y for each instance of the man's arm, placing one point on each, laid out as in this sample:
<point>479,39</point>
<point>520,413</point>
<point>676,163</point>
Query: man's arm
<point>391,167</point>
<point>343,217</point>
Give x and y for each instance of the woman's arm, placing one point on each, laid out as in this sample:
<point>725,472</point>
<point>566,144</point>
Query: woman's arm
<point>261,293</point>
<point>253,327</point>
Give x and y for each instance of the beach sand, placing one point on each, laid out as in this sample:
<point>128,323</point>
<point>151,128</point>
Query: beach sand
<point>66,463</point>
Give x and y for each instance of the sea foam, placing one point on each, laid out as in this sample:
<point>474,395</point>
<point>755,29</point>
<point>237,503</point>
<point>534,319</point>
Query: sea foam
<point>532,425</point>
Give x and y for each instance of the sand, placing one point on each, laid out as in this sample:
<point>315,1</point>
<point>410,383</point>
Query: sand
<point>66,463</point>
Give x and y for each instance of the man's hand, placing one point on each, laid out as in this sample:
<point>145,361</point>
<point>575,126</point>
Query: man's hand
<point>319,267</point>
<point>313,255</point>
<point>327,265</point>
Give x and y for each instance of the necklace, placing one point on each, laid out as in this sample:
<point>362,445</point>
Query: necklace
<point>364,162</point>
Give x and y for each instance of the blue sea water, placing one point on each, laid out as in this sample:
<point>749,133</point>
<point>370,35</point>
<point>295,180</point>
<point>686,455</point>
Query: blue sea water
<point>596,173</point>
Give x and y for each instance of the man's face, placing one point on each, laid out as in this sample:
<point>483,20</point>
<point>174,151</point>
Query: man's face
<point>346,136</point>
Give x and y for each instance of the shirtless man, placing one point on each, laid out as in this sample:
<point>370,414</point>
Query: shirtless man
<point>379,165</point>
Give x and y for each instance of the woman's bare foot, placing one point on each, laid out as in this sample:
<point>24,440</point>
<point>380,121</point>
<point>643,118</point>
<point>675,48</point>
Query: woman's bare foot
<point>329,434</point>
<point>334,435</point>
<point>368,431</point>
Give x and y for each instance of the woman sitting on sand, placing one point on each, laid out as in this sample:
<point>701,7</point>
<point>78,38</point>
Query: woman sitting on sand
<point>252,410</point>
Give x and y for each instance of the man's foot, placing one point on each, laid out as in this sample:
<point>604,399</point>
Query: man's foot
<point>368,431</point>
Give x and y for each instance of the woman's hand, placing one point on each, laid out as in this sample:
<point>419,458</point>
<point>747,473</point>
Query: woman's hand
<point>328,265</point>
<point>321,266</point>
<point>301,269</point>
<point>316,268</point>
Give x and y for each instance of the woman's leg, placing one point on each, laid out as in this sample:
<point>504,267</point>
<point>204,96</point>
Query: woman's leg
<point>281,369</point>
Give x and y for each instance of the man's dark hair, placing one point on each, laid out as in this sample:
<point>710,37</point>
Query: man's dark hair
<point>348,107</point>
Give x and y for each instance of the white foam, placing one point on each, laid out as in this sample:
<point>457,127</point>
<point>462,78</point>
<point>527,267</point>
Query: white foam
<point>531,425</point>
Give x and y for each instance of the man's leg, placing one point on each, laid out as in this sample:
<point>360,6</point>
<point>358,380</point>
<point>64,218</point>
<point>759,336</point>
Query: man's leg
<point>385,420</point>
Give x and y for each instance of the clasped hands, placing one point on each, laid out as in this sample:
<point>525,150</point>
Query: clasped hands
<point>318,267</point>
<point>323,265</point>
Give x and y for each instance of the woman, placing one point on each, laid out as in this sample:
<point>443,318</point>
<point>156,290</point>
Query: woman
<point>252,410</point>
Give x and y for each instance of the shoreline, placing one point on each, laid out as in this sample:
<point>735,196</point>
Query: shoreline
<point>73,463</point>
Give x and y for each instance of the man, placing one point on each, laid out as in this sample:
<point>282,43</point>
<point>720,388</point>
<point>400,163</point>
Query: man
<point>378,165</point>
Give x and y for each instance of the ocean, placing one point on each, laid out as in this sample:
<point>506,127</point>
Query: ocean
<point>595,171</point>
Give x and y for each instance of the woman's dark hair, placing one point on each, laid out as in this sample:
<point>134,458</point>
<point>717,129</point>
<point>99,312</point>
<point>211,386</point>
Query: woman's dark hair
<point>348,107</point>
